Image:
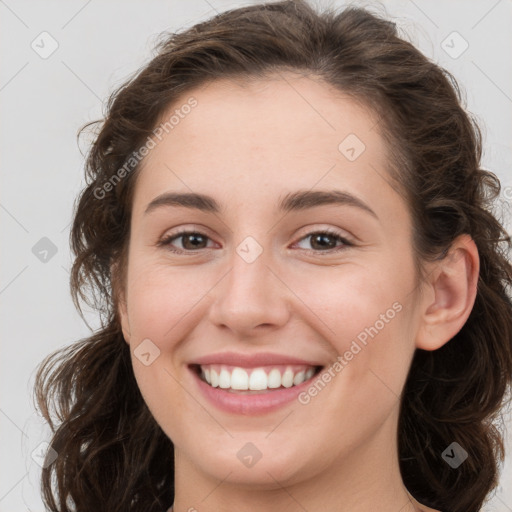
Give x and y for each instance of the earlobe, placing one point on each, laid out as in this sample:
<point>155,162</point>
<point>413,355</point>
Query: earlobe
<point>452,287</point>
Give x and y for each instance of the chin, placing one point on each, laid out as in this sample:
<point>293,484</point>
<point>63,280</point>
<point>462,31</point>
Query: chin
<point>270,467</point>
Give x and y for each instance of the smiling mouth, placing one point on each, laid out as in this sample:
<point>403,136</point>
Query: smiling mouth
<point>263,379</point>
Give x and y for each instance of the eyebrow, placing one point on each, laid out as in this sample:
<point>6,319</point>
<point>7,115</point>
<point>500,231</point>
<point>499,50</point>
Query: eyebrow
<point>296,201</point>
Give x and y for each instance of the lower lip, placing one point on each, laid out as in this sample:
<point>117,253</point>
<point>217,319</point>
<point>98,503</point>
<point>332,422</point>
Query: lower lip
<point>252,404</point>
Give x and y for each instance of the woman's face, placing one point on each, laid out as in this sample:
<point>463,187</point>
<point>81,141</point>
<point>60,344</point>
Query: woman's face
<point>259,295</point>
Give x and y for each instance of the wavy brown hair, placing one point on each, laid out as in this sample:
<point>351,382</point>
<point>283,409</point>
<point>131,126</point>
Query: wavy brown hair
<point>112,455</point>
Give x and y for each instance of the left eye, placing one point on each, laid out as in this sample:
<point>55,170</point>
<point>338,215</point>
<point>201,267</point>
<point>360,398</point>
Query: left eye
<point>320,239</point>
<point>194,240</point>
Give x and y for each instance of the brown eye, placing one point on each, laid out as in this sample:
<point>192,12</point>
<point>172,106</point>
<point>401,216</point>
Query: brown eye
<point>190,240</point>
<point>326,241</point>
<point>323,241</point>
<point>193,241</point>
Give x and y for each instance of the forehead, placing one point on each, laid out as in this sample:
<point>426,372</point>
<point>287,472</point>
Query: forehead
<point>269,135</point>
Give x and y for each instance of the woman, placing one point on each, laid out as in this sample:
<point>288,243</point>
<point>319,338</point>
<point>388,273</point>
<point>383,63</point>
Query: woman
<point>288,237</point>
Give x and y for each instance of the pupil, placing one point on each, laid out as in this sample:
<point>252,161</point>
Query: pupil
<point>194,236</point>
<point>324,237</point>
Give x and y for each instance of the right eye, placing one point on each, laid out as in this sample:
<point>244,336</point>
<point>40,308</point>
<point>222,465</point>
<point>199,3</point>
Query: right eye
<point>194,237</point>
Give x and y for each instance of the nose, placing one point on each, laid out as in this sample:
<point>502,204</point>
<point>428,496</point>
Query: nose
<point>251,300</point>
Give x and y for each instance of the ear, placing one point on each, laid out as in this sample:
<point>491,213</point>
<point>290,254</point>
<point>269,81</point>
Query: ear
<point>120,301</point>
<point>450,294</point>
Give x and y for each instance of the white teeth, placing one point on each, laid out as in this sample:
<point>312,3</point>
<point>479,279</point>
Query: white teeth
<point>299,378</point>
<point>274,379</point>
<point>239,379</point>
<point>287,378</point>
<point>224,379</point>
<point>256,379</point>
<point>214,382</point>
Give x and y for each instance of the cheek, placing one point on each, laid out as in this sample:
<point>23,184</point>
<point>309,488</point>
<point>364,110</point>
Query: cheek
<point>160,298</point>
<point>366,315</point>
<point>356,302</point>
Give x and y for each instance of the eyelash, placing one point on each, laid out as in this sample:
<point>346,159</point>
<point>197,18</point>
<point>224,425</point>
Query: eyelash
<point>166,241</point>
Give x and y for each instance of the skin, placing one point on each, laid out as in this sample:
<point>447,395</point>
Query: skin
<point>247,145</point>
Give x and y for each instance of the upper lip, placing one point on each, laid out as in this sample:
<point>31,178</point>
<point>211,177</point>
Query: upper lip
<point>252,360</point>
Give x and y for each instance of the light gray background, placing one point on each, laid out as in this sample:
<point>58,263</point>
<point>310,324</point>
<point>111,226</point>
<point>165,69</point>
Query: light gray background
<point>45,101</point>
